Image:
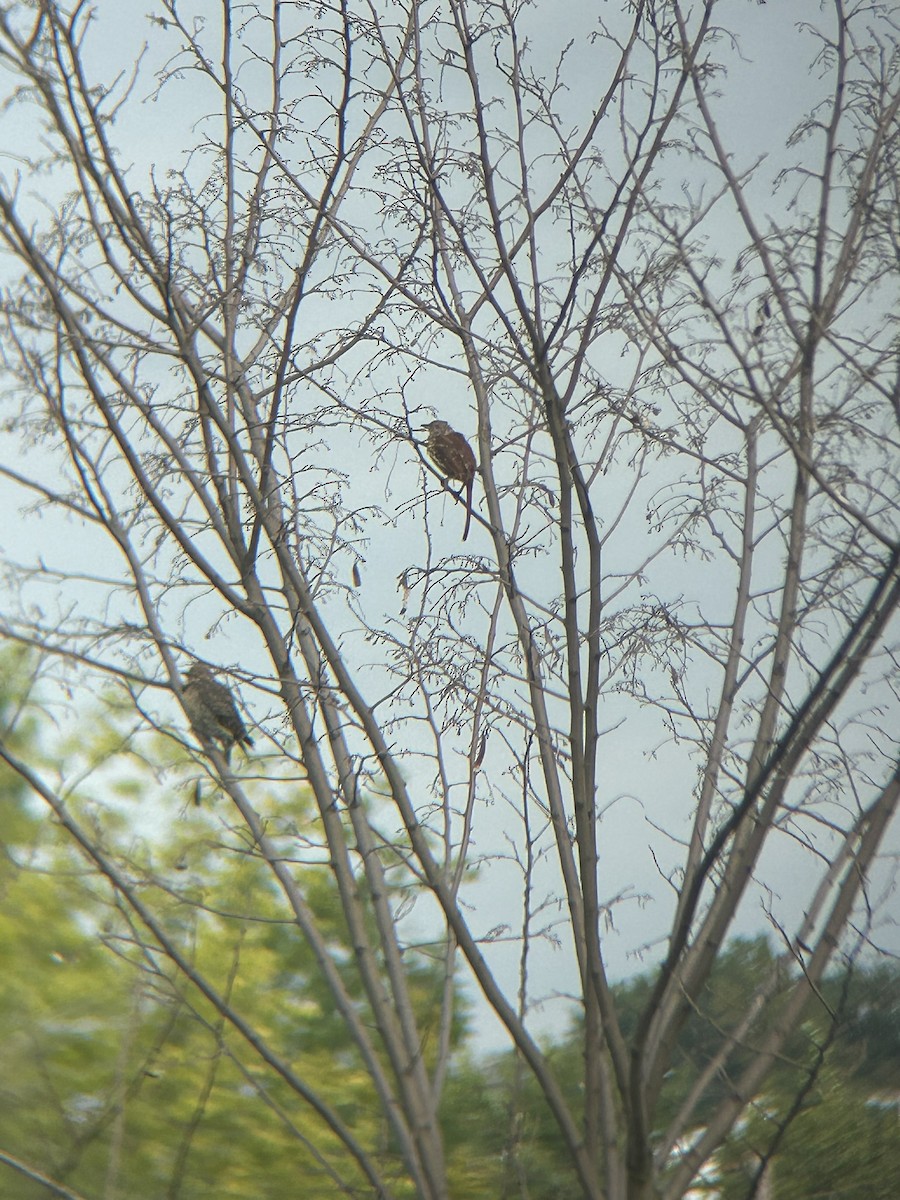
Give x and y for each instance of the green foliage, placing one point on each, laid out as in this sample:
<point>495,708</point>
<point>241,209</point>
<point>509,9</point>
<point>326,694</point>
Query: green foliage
<point>842,1143</point>
<point>119,1076</point>
<point>502,1139</point>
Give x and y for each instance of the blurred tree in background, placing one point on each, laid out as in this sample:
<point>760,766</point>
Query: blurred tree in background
<point>117,1080</point>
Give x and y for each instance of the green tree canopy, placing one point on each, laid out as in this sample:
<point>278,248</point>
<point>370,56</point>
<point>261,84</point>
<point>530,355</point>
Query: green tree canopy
<point>119,1076</point>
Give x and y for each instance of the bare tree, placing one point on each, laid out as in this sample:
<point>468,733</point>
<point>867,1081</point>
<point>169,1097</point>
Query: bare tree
<point>230,312</point>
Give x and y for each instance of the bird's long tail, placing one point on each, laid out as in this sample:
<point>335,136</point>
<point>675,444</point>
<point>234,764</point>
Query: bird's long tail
<point>469,487</point>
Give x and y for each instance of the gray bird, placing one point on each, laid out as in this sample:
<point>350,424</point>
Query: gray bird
<point>211,710</point>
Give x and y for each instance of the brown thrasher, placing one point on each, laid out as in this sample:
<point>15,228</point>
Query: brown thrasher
<point>453,457</point>
<point>211,710</point>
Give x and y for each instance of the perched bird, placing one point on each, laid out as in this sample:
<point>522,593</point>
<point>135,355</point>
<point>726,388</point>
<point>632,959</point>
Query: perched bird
<point>453,456</point>
<point>211,710</point>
